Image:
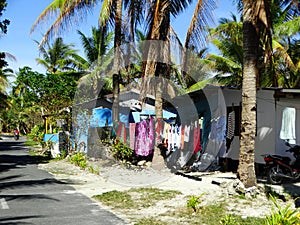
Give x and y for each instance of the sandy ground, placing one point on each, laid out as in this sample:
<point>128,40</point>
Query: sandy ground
<point>116,177</point>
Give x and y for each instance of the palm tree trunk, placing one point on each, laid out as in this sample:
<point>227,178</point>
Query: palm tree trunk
<point>246,169</point>
<point>117,59</point>
<point>156,67</point>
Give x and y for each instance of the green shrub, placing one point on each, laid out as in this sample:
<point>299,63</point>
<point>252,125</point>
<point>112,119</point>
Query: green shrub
<point>37,134</point>
<point>79,159</point>
<point>283,216</point>
<point>121,151</point>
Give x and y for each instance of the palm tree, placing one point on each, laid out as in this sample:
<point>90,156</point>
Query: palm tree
<point>95,47</point>
<point>257,23</point>
<point>110,14</point>
<point>60,57</point>
<point>227,37</point>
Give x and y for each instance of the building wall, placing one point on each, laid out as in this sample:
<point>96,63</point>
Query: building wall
<point>266,126</point>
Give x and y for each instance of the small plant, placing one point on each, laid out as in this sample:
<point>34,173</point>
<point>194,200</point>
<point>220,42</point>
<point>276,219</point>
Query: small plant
<point>228,220</point>
<point>286,215</point>
<point>93,170</point>
<point>79,159</point>
<point>194,202</point>
<point>63,154</point>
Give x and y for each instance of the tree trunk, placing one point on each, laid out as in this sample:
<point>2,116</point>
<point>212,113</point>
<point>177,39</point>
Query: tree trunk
<point>117,59</point>
<point>246,169</point>
<point>156,66</point>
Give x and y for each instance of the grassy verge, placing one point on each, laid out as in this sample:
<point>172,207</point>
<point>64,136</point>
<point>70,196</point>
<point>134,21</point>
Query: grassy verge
<point>131,201</point>
<point>135,198</point>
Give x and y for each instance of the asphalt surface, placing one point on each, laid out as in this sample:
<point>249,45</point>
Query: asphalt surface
<point>29,195</point>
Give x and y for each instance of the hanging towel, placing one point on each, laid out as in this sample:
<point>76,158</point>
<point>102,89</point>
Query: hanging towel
<point>132,135</point>
<point>288,129</point>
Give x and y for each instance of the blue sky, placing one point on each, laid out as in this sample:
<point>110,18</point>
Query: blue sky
<point>22,14</point>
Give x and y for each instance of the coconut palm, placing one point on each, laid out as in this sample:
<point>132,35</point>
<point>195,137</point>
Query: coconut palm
<point>110,16</point>
<point>257,23</point>
<point>60,57</point>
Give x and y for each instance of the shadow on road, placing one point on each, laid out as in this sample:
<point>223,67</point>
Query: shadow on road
<point>8,220</point>
<point>13,154</point>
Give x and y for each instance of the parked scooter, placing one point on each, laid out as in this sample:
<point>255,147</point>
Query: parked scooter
<point>280,168</point>
<point>16,134</point>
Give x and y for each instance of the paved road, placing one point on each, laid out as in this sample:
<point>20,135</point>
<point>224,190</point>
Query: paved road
<point>29,195</point>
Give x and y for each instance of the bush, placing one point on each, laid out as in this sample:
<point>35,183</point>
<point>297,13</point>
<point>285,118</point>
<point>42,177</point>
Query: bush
<point>37,134</point>
<point>121,151</point>
<point>79,159</point>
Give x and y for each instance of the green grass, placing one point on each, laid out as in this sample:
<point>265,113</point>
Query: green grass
<point>115,199</point>
<point>135,198</point>
<point>211,215</point>
<point>141,198</point>
<point>150,221</point>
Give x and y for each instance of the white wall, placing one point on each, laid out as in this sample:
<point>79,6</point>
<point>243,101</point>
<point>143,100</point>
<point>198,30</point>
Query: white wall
<point>266,127</point>
<point>233,97</point>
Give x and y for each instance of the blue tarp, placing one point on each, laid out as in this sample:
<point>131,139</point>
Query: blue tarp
<point>136,115</point>
<point>51,137</point>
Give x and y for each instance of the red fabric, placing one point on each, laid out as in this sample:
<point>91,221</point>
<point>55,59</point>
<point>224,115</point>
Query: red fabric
<point>197,142</point>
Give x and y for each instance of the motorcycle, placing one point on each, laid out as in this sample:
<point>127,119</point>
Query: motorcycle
<point>16,135</point>
<point>280,168</point>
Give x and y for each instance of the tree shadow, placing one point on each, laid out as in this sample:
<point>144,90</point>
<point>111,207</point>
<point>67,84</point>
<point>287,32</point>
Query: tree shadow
<point>13,155</point>
<point>22,183</point>
<point>26,197</point>
<point>9,220</point>
<point>293,189</point>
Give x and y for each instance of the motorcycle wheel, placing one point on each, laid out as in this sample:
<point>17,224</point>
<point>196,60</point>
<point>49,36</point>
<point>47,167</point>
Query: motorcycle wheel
<point>273,177</point>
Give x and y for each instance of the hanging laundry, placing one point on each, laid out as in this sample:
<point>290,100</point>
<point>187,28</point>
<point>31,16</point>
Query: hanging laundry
<point>151,135</point>
<point>230,125</point>
<point>182,138</point>
<point>288,129</point>
<point>159,131</point>
<point>230,129</point>
<point>197,142</point>
<point>132,135</point>
<point>121,132</point>
<point>144,137</point>
<point>187,130</point>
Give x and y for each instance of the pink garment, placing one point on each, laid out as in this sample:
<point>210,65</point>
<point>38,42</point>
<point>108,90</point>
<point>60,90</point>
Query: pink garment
<point>197,143</point>
<point>159,131</point>
<point>144,137</point>
<point>131,135</point>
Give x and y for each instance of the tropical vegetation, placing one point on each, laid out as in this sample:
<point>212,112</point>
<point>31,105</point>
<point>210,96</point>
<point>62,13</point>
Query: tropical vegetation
<point>258,48</point>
